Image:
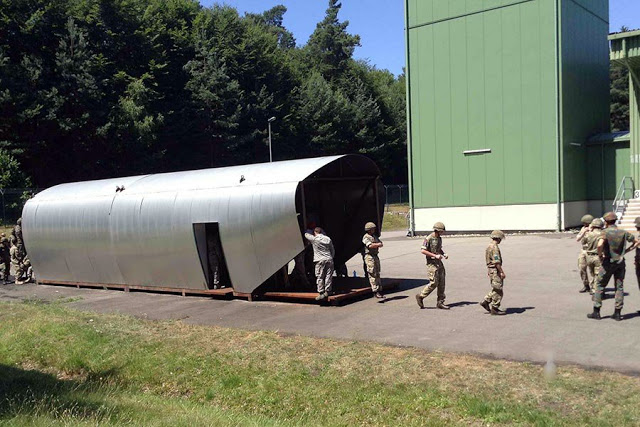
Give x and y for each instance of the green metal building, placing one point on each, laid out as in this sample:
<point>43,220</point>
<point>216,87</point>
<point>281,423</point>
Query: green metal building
<point>506,99</point>
<point>625,51</point>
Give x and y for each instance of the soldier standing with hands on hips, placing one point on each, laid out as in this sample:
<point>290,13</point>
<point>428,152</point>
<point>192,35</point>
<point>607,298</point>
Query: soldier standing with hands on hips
<point>611,250</point>
<point>432,249</point>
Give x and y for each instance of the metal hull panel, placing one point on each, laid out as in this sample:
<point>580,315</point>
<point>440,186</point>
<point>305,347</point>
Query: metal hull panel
<point>143,236</point>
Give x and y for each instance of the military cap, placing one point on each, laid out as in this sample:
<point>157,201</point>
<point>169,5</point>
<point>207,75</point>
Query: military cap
<point>599,223</point>
<point>610,216</point>
<point>497,234</point>
<point>586,219</point>
<point>369,226</point>
<point>438,226</point>
<point>637,221</point>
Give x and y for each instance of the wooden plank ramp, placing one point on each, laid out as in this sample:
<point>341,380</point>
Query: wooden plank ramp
<point>346,289</point>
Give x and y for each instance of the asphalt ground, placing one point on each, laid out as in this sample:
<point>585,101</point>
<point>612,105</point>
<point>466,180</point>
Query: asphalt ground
<point>546,316</point>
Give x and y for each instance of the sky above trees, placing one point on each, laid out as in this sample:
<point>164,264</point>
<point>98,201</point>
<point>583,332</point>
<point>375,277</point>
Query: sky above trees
<point>380,23</point>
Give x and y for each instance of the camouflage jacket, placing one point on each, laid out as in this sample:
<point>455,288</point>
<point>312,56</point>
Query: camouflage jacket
<point>367,240</point>
<point>590,241</point>
<point>615,243</point>
<point>492,255</point>
<point>432,244</point>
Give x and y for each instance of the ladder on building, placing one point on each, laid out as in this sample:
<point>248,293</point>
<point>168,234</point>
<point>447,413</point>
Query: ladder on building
<point>627,204</point>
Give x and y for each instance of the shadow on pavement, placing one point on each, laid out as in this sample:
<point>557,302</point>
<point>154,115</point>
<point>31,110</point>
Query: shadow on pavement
<point>630,315</point>
<point>462,303</point>
<point>518,310</point>
<point>408,284</point>
<point>395,298</point>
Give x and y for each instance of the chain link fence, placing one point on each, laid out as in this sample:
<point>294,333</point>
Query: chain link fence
<point>13,200</point>
<point>396,194</point>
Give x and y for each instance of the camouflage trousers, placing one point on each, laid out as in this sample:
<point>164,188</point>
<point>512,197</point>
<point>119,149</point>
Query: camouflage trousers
<point>372,262</point>
<point>607,270</point>
<point>324,275</point>
<point>582,268</point>
<point>7,268</point>
<point>19,271</point>
<point>495,296</point>
<point>593,267</point>
<point>437,278</point>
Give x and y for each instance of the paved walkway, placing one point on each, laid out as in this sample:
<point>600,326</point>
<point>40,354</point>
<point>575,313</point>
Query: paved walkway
<point>546,314</point>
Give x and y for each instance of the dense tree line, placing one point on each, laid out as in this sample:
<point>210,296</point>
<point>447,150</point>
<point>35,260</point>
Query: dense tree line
<point>100,88</point>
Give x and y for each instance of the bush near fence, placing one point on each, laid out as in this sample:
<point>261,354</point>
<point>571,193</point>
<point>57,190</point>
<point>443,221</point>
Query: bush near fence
<point>12,201</point>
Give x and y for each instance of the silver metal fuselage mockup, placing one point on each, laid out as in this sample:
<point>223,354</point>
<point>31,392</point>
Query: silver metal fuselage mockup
<point>139,231</point>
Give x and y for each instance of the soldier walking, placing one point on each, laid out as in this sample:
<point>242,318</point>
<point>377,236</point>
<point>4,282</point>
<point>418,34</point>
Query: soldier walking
<point>372,245</point>
<point>323,253</point>
<point>493,257</point>
<point>432,249</point>
<point>611,250</point>
<point>590,242</point>
<point>582,258</point>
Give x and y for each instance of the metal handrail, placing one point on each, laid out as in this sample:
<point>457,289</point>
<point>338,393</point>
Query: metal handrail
<point>621,199</point>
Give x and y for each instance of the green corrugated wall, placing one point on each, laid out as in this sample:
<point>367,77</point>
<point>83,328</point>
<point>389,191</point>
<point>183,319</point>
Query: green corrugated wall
<point>585,92</point>
<point>483,74</point>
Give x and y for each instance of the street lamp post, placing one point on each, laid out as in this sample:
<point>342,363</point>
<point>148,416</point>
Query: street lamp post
<point>270,153</point>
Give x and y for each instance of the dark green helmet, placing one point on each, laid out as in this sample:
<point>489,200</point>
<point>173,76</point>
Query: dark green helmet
<point>586,219</point>
<point>599,223</point>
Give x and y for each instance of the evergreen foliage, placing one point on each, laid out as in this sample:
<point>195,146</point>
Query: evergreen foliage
<point>92,89</point>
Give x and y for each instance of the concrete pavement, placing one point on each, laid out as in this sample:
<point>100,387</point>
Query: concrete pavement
<point>546,314</point>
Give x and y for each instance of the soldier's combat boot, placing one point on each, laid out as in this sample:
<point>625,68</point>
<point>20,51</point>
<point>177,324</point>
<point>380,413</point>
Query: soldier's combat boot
<point>585,289</point>
<point>497,312</point>
<point>485,305</point>
<point>379,295</point>
<point>443,306</point>
<point>617,315</point>
<point>595,314</point>
<point>419,301</point>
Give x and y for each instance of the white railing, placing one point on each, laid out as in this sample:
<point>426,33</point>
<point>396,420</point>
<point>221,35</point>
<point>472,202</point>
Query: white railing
<point>626,190</point>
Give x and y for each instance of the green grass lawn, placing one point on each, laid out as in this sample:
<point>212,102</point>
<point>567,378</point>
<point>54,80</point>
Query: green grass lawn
<point>395,218</point>
<point>63,367</point>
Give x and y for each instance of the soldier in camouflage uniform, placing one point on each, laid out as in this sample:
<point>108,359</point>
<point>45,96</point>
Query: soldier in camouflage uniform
<point>371,247</point>
<point>590,242</point>
<point>582,258</point>
<point>493,257</point>
<point>18,232</point>
<point>611,250</point>
<point>432,249</point>
<point>5,257</point>
<point>637,257</point>
<point>17,257</point>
